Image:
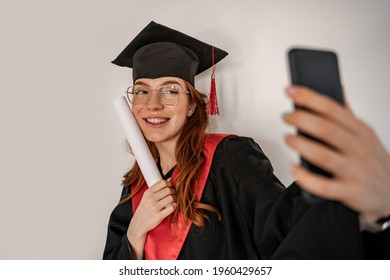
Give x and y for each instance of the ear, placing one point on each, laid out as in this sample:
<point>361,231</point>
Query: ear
<point>191,110</point>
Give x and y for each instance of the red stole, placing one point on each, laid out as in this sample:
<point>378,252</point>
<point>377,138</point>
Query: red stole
<point>165,241</point>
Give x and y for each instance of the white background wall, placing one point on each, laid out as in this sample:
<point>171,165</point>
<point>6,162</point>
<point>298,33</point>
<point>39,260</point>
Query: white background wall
<point>61,146</point>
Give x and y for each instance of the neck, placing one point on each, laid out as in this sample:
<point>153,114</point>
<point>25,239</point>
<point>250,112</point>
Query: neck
<point>167,156</point>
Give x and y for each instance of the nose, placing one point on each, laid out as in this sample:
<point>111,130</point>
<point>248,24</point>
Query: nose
<point>154,102</point>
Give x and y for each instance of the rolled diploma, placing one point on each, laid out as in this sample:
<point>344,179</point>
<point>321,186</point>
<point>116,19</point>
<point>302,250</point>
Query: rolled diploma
<point>137,141</point>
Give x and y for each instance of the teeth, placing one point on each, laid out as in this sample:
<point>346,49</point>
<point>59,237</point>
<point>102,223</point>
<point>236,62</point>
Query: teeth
<point>156,120</point>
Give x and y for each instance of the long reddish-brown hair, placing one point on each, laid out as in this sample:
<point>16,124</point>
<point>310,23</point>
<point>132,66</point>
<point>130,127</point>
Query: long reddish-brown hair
<point>189,159</point>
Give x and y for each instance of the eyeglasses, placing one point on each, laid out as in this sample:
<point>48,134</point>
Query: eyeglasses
<point>168,94</point>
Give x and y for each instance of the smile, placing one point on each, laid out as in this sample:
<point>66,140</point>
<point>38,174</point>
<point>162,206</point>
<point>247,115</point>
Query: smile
<point>156,120</point>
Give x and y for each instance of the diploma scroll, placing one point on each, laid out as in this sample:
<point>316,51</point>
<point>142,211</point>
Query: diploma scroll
<point>137,141</point>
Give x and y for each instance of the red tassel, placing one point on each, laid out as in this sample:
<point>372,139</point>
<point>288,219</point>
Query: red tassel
<point>213,102</point>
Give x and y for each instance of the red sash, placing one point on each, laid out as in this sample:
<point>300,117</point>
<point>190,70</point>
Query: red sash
<point>165,241</point>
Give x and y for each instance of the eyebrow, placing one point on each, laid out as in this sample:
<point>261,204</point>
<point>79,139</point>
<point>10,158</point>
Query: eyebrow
<point>163,84</point>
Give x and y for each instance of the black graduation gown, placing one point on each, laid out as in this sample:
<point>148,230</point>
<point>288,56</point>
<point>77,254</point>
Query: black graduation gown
<point>260,219</point>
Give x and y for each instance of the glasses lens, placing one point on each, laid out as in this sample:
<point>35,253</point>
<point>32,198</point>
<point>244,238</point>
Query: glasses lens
<point>138,95</point>
<point>169,94</point>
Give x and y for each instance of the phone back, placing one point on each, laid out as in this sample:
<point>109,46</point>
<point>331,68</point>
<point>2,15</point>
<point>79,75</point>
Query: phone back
<point>317,70</point>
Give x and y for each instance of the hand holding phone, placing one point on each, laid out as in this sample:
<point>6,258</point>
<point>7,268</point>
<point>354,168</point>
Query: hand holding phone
<point>318,70</point>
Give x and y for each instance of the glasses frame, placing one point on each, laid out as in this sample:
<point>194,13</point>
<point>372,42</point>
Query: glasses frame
<point>129,94</point>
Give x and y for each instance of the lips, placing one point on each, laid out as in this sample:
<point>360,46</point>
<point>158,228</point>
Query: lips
<point>156,120</point>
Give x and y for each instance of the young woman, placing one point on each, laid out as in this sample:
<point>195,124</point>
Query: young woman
<point>219,198</point>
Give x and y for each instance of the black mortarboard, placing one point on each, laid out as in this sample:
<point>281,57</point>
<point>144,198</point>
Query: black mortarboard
<point>159,51</point>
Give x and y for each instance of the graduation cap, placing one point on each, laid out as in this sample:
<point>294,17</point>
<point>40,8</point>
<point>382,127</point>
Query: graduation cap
<point>159,51</point>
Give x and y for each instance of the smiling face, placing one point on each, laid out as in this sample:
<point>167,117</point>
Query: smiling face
<point>161,123</point>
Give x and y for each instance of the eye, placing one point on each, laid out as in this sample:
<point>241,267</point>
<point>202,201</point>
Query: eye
<point>140,91</point>
<point>170,90</point>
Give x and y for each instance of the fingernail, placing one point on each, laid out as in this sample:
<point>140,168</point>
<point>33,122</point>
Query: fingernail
<point>285,115</point>
<point>293,168</point>
<point>288,137</point>
<point>292,90</point>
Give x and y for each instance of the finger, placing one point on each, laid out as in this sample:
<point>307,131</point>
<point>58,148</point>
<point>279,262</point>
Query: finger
<point>324,187</point>
<point>167,191</point>
<point>166,201</point>
<point>160,185</point>
<point>321,128</point>
<point>154,207</point>
<point>166,211</point>
<point>157,192</point>
<point>324,106</point>
<point>316,153</point>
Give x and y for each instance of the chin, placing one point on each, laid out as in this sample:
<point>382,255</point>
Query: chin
<point>155,138</point>
<point>158,138</point>
<point>152,138</point>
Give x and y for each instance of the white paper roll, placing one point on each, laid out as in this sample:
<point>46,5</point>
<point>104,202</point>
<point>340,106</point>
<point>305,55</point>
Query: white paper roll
<point>137,141</point>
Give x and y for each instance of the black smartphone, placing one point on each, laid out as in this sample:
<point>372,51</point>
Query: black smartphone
<point>318,70</point>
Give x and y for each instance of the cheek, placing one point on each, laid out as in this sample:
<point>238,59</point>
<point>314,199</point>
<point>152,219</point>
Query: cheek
<point>181,113</point>
<point>136,113</point>
<point>182,120</point>
<point>179,119</point>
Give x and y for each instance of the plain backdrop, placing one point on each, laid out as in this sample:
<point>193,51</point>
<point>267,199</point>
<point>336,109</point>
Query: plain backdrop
<point>62,152</point>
